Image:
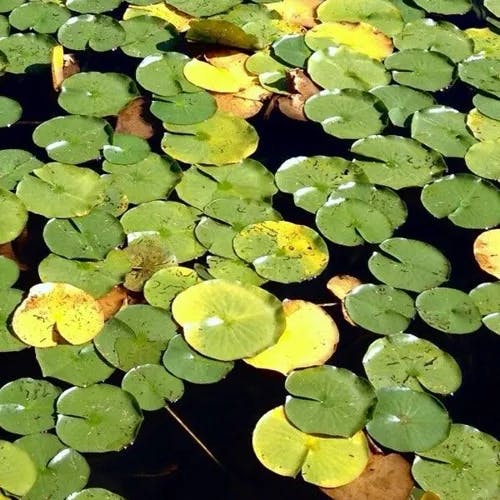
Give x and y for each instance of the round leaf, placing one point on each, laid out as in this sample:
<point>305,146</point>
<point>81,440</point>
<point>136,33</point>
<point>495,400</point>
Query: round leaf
<point>14,216</point>
<point>92,6</point>
<point>94,494</point>
<point>184,108</point>
<point>14,164</point>
<point>27,52</point>
<point>481,72</point>
<point>39,16</point>
<point>483,159</point>
<point>486,297</point>
<point>10,111</point>
<point>17,470</point>
<point>447,7</point>
<point>487,251</point>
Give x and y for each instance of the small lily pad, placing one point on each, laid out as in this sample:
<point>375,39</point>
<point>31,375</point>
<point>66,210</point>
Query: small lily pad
<point>483,159</point>
<point>39,16</point>
<point>10,111</point>
<point>185,108</point>
<point>486,297</point>
<point>14,216</point>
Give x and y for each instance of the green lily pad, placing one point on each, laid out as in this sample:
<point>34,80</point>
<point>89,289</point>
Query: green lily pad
<point>11,298</point>
<point>406,420</point>
<point>448,310</point>
<point>493,6</point>
<point>405,360</point>
<point>92,6</point>
<point>72,139</point>
<point>99,32</point>
<point>27,406</point>
<point>126,149</point>
<point>482,127</point>
<point>184,108</point>
<point>9,272</point>
<point>421,69</point>
<point>347,114</point>
<point>136,335</point>
<point>152,385</point>
<point>173,221</point>
<point>328,400</point>
<point>17,470</point>
<point>483,159</point>
<point>8,5</point>
<point>42,17</point>
<point>27,52</point>
<point>397,162</point>
<point>262,62</point>
<point>60,470</point>
<point>409,11</point>
<point>486,297</point>
<point>97,418</point>
<point>282,251</point>
<point>443,129</point>
<point>94,494</point>
<point>233,270</point>
<point>200,8</point>
<point>479,71</point>
<point>380,309</point>
<point>402,101</point>
<point>488,106</point>
<point>228,320</point>
<point>162,288</point>
<point>147,35</point>
<point>409,264</point>
<point>219,140</point>
<point>10,111</point>
<point>14,165</point>
<point>216,237</point>
<point>467,200</point>
<point>82,237</point>
<point>115,202</point>
<point>75,364</point>
<point>149,179</point>
<point>14,216</point>
<point>311,179</point>
<point>4,28</point>
<point>59,190</point>
<point>462,467</point>
<point>189,365</point>
<point>447,7</point>
<point>344,68</point>
<point>292,50</point>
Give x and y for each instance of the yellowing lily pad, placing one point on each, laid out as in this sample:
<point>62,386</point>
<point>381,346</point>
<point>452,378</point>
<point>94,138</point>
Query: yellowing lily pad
<point>324,461</point>
<point>487,251</point>
<point>309,339</point>
<point>296,12</point>
<point>57,312</point>
<point>212,78</point>
<point>175,17</point>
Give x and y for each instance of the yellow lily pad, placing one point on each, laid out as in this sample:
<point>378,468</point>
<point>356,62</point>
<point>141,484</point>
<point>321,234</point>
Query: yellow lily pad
<point>485,41</point>
<point>175,17</point>
<point>483,128</point>
<point>296,12</point>
<point>212,78</point>
<point>56,313</point>
<point>487,251</point>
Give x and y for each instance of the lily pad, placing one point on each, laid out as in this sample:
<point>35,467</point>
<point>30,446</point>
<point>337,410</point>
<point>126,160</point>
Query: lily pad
<point>233,270</point>
<point>14,216</point>
<point>126,149</point>
<point>94,494</point>
<point>92,6</point>
<point>10,111</point>
<point>447,7</point>
<point>200,8</point>
<point>9,272</point>
<point>449,310</point>
<point>486,297</point>
<point>27,52</point>
<point>292,50</point>
<point>405,360</point>
<point>328,400</point>
<point>42,17</point>
<point>14,164</point>
<point>97,418</point>
<point>8,341</point>
<point>216,237</point>
<point>184,108</point>
<point>482,127</point>
<point>483,159</point>
<point>486,251</point>
<point>227,320</point>
<point>380,309</point>
<point>17,471</point>
<point>488,106</point>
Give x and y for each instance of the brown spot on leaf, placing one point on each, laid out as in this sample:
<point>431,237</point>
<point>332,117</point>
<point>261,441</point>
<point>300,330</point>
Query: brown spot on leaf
<point>132,120</point>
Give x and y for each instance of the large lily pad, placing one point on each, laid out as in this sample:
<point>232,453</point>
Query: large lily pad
<point>8,341</point>
<point>27,52</point>
<point>42,17</point>
<point>184,108</point>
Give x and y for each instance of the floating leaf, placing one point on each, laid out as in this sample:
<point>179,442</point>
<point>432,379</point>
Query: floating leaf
<point>39,16</point>
<point>406,420</point>
<point>324,461</point>
<point>209,77</point>
<point>227,320</point>
<point>328,400</point>
<point>94,494</point>
<point>484,40</point>
<point>9,272</point>
<point>445,6</point>
<point>10,111</point>
<point>216,237</point>
<point>27,52</point>
<point>126,149</point>
<point>292,50</point>
<point>487,251</point>
<point>159,10</point>
<point>486,297</point>
<point>483,159</point>
<point>55,310</point>
<point>483,128</point>
<point>310,338</point>
<point>14,164</point>
<point>488,106</point>
<point>200,8</point>
<point>151,386</point>
<point>14,216</point>
<point>448,310</point>
<point>184,108</point>
<point>233,270</point>
<point>380,308</point>
<point>92,6</point>
<point>405,360</point>
<point>97,418</point>
<point>10,300</point>
<point>467,200</point>
<point>17,470</point>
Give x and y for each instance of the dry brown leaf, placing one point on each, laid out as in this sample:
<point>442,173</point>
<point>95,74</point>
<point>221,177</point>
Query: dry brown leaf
<point>292,106</point>
<point>71,66</point>
<point>487,251</point>
<point>131,120</point>
<point>113,301</point>
<point>301,83</point>
<point>237,106</point>
<point>386,477</point>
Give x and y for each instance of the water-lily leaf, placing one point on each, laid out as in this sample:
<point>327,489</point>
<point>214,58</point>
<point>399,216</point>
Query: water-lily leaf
<point>92,6</point>
<point>161,10</point>
<point>221,32</point>
<point>14,216</point>
<point>149,179</point>
<point>57,310</point>
<point>485,41</point>
<point>97,418</point>
<point>397,162</point>
<point>263,62</point>
<point>493,6</point>
<point>282,251</point>
<point>60,470</point>
<point>209,77</point>
<point>380,309</point>
<point>200,8</point>
<point>467,200</point>
<point>82,237</point>
<point>14,165</point>
<point>233,270</point>
<point>42,17</point>
<point>488,106</point>
<point>72,139</point>
<point>379,13</point>
<point>328,400</point>
<point>480,71</point>
<point>486,297</point>
<point>447,7</point>
<point>126,149</point>
<point>483,159</point>
<point>216,237</point>
<point>357,212</point>
<point>407,420</point>
<point>227,320</point>
<point>219,140</point>
<point>448,310</point>
<point>292,50</point>
<point>184,108</point>
<point>185,363</point>
<point>421,69</point>
<point>4,27</point>
<point>137,335</point>
<point>311,179</point>
<point>94,494</point>
<point>9,272</point>
<point>27,52</point>
<point>324,461</point>
<point>165,284</point>
<point>463,466</point>
<point>17,470</point>
<point>409,264</point>
<point>483,128</point>
<point>487,251</point>
<point>10,111</point>
<point>401,102</point>
<point>99,32</point>
<point>152,385</point>
<point>344,68</point>
<point>347,113</point>
<point>174,223</point>
<point>10,300</point>
<point>75,364</point>
<point>310,338</point>
<point>405,360</point>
